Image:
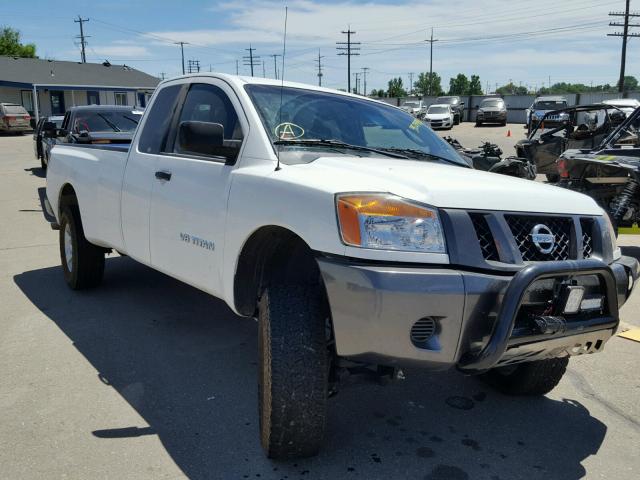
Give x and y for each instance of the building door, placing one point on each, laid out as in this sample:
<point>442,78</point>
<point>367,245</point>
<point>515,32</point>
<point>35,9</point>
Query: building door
<point>142,100</point>
<point>57,102</point>
<point>93,97</point>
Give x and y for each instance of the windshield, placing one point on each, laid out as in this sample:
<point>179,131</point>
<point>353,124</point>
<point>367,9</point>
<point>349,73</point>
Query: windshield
<point>106,121</point>
<point>313,115</point>
<point>492,103</point>
<point>448,100</point>
<point>438,110</point>
<point>550,105</point>
<point>411,104</point>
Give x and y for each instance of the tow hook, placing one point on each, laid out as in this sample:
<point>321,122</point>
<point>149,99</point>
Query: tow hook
<point>549,325</point>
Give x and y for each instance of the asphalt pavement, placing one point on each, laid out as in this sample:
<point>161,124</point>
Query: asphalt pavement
<point>147,378</point>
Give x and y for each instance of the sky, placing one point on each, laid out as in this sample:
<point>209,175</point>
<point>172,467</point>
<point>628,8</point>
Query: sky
<point>524,41</point>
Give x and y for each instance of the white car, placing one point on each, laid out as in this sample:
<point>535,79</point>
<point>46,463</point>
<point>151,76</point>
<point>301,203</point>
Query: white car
<point>356,236</point>
<point>414,107</point>
<point>439,116</point>
<point>627,105</point>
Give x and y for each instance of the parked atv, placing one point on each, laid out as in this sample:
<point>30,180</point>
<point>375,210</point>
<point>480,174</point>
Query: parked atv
<point>488,157</point>
<point>585,127</point>
<point>609,173</point>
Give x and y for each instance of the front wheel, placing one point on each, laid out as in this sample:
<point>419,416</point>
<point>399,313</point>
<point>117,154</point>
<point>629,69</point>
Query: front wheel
<point>532,378</point>
<point>293,370</point>
<point>82,262</point>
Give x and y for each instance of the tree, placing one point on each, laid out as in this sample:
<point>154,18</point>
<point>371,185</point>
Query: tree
<point>475,86</point>
<point>422,84</point>
<point>459,85</point>
<point>10,44</point>
<point>630,83</point>
<point>511,89</point>
<point>396,89</point>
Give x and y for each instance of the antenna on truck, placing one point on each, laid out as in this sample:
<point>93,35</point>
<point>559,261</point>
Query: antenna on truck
<point>284,51</point>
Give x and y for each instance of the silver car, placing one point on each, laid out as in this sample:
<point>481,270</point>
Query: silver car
<point>14,118</point>
<point>492,110</point>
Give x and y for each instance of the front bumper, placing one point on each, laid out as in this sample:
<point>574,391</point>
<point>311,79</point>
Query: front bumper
<point>480,318</point>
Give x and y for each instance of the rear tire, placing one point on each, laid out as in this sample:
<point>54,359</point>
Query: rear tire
<point>82,262</point>
<point>478,124</point>
<point>552,177</point>
<point>531,378</point>
<point>293,370</point>
<point>44,163</point>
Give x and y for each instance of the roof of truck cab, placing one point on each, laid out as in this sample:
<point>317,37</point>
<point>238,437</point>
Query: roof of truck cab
<point>241,81</point>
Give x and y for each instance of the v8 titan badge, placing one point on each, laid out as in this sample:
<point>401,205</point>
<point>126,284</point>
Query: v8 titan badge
<point>289,131</point>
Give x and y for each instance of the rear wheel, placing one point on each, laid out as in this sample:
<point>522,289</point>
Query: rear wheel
<point>82,262</point>
<point>478,124</point>
<point>552,177</point>
<point>293,370</point>
<point>531,378</point>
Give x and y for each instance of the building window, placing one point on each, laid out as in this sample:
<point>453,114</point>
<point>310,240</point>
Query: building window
<point>93,97</point>
<point>27,100</point>
<point>120,98</point>
<point>57,102</point>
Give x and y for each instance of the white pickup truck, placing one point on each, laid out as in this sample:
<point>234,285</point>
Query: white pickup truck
<point>357,237</point>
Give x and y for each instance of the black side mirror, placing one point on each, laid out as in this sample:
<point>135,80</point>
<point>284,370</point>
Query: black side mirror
<point>49,130</point>
<point>201,138</point>
<point>84,137</point>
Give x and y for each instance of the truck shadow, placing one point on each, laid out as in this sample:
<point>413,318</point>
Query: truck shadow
<point>187,365</point>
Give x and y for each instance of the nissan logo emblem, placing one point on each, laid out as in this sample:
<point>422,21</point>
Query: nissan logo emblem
<point>543,238</point>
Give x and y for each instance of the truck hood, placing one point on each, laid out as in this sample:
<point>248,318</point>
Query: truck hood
<point>440,185</point>
<point>437,116</point>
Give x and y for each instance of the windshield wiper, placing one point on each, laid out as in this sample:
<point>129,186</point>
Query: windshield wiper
<point>419,153</point>
<point>110,123</point>
<point>337,144</point>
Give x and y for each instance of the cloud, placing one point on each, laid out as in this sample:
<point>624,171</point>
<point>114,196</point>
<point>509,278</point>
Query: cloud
<point>121,51</point>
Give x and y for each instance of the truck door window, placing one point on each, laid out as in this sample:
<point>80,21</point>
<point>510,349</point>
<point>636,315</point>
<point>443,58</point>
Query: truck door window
<point>156,126</point>
<point>208,103</point>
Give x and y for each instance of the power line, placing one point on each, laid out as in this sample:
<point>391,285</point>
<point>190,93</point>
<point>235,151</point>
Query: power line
<point>82,37</point>
<point>349,51</point>
<point>625,36</point>
<point>251,60</point>
<point>182,44</point>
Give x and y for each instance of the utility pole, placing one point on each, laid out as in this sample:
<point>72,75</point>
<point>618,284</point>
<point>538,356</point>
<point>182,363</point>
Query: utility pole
<point>431,40</point>
<point>349,51</point>
<point>251,60</point>
<point>357,75</point>
<point>410,83</point>
<point>162,74</point>
<point>264,72</point>
<point>182,44</point>
<point>625,35</point>
<point>82,37</point>
<point>193,66</point>
<point>365,71</point>
<point>320,74</point>
<point>275,64</point>
<point>237,69</point>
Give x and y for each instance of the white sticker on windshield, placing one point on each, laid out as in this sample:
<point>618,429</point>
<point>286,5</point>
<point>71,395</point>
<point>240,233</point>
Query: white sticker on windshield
<point>289,131</point>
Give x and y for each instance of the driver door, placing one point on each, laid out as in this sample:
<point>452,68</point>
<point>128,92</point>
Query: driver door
<point>190,190</point>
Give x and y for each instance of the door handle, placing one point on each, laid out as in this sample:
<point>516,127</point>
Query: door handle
<point>161,175</point>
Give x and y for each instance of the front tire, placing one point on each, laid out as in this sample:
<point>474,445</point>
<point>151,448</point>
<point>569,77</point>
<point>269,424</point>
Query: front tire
<point>293,370</point>
<point>82,262</point>
<point>532,378</point>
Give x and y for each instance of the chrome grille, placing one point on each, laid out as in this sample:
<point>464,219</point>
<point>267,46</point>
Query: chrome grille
<point>521,226</point>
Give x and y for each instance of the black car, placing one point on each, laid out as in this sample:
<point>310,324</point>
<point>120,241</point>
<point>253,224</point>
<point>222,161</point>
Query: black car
<point>97,124</point>
<point>41,144</point>
<point>457,106</point>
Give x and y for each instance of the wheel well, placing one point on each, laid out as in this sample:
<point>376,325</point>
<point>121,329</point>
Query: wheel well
<point>272,255</point>
<point>67,197</point>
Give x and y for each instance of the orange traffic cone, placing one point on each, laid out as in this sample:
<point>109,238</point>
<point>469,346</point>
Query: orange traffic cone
<point>509,133</point>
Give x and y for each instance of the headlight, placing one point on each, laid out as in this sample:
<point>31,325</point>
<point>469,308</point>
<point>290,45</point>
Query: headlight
<point>387,222</point>
<point>480,111</point>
